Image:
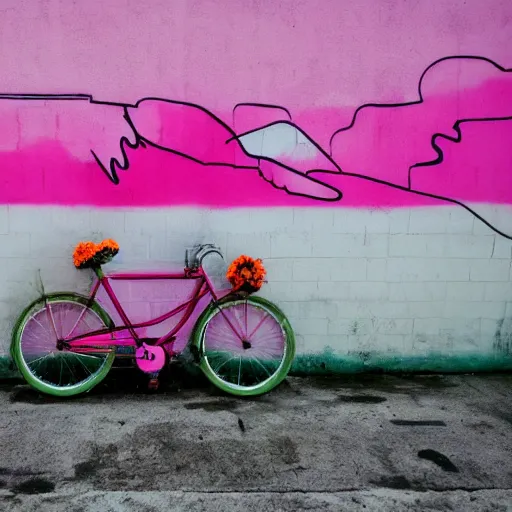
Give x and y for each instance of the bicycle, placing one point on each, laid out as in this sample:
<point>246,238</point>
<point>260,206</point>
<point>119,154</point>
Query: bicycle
<point>65,343</point>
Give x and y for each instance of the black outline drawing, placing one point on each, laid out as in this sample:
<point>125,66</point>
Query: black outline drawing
<point>440,156</point>
<point>114,165</point>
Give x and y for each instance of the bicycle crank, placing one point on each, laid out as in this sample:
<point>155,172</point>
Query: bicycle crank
<point>150,359</point>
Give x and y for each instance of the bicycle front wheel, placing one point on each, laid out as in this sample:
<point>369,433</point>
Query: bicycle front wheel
<point>34,345</point>
<point>247,345</point>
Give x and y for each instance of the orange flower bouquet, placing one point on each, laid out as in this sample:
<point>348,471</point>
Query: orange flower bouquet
<point>91,255</point>
<point>246,274</point>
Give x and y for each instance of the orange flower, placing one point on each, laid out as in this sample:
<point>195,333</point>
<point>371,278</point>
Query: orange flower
<point>247,273</point>
<point>83,251</point>
<point>86,252</point>
<point>108,244</point>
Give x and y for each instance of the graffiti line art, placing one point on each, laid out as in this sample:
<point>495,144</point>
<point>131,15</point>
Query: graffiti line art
<point>457,138</point>
<point>286,157</point>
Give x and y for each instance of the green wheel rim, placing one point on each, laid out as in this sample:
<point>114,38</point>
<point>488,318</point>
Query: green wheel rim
<point>281,371</point>
<point>37,381</point>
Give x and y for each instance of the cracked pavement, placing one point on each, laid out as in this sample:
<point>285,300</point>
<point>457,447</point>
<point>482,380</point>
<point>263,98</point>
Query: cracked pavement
<point>344,443</point>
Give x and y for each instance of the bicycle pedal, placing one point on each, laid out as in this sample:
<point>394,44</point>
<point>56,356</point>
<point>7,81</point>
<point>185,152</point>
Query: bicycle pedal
<point>153,384</point>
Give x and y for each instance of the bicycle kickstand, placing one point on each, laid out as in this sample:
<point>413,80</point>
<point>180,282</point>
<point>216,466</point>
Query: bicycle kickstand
<point>153,383</point>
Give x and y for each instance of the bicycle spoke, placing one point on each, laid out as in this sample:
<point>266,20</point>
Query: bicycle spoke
<point>76,323</point>
<point>225,362</point>
<point>262,366</point>
<point>41,363</point>
<point>231,325</point>
<point>52,319</point>
<point>80,361</point>
<point>69,368</point>
<point>36,360</point>
<point>253,371</point>
<point>38,322</point>
<point>246,320</point>
<point>262,321</point>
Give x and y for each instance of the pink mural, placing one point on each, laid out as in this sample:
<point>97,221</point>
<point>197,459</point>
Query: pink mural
<point>448,145</point>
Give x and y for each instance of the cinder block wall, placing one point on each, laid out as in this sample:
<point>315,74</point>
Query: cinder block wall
<point>399,289</point>
<point>351,147</point>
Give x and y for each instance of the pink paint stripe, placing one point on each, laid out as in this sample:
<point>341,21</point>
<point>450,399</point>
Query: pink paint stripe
<point>49,167</point>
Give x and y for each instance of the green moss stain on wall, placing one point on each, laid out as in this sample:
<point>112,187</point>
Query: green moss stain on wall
<point>329,363</point>
<point>7,368</point>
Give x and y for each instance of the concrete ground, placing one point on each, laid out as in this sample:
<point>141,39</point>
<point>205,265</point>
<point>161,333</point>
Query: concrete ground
<point>345,443</point>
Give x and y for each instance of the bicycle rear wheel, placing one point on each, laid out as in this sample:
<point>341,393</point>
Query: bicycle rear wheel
<point>34,345</point>
<point>247,345</point>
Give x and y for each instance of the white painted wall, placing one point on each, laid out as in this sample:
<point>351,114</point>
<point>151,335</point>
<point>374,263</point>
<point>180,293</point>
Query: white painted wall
<point>404,281</point>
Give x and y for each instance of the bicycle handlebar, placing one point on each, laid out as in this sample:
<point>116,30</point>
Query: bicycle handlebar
<point>199,253</point>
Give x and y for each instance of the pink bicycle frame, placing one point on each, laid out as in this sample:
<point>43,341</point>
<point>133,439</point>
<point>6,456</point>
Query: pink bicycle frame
<point>101,340</point>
